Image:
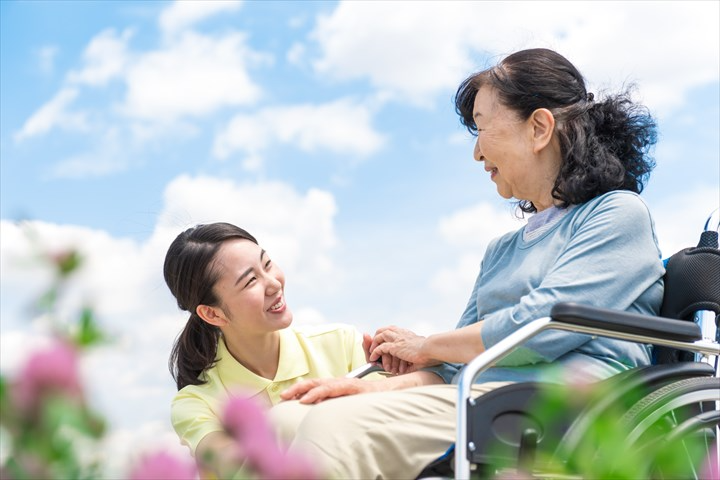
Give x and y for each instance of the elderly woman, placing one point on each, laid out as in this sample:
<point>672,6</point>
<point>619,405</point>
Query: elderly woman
<point>577,164</point>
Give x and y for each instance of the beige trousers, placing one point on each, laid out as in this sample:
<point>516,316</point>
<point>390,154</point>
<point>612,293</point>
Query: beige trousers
<point>384,435</point>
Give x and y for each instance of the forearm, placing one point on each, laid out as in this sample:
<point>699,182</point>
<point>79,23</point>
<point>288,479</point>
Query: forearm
<point>216,456</point>
<point>408,380</point>
<point>456,346</point>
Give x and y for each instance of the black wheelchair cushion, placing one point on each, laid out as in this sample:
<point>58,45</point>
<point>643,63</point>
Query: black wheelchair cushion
<point>692,283</point>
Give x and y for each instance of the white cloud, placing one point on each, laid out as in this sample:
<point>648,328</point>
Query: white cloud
<point>341,126</point>
<point>188,75</point>
<point>54,113</point>
<point>417,49</point>
<point>297,229</point>
<point>105,157</point>
<point>192,76</point>
<point>105,58</point>
<point>414,49</point>
<point>122,279</point>
<point>680,217</point>
<point>469,231</point>
<point>183,14</point>
<point>475,226</point>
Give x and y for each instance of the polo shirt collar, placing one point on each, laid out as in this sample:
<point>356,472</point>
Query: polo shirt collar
<point>293,363</point>
<point>293,358</point>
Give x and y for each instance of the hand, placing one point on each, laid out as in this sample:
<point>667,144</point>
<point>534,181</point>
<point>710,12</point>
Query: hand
<point>401,350</point>
<point>390,364</point>
<point>319,389</point>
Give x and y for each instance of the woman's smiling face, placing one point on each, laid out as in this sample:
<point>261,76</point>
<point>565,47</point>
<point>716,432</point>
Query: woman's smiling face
<point>250,289</point>
<point>503,143</point>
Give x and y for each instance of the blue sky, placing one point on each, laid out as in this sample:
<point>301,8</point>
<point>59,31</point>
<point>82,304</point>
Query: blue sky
<point>327,129</point>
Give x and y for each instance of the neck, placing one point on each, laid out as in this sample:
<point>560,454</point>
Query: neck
<point>260,354</point>
<point>544,205</point>
<point>549,162</point>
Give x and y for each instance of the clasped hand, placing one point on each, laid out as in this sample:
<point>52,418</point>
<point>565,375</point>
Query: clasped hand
<point>399,351</point>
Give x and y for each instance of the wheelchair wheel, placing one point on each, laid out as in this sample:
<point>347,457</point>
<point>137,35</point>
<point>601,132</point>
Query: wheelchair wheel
<point>674,429</point>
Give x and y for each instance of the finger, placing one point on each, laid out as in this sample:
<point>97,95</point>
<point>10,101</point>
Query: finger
<point>298,389</point>
<point>387,362</point>
<point>377,353</point>
<point>403,366</point>
<point>395,365</point>
<point>377,340</point>
<point>328,390</point>
<point>382,329</point>
<point>314,396</point>
<point>367,342</point>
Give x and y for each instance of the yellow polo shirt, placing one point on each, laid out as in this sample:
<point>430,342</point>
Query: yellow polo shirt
<point>306,352</point>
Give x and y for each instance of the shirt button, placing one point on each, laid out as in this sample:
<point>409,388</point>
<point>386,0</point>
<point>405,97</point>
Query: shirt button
<point>275,388</point>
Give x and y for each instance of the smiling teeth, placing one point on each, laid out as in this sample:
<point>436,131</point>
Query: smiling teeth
<point>278,305</point>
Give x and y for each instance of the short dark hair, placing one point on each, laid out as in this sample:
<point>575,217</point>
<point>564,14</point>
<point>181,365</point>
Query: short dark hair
<point>605,145</point>
<point>190,276</point>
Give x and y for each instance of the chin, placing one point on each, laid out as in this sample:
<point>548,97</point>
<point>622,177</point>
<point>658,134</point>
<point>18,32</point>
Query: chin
<point>287,319</point>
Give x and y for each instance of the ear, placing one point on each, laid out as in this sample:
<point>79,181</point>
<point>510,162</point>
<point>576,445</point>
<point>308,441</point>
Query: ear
<point>543,127</point>
<point>212,315</point>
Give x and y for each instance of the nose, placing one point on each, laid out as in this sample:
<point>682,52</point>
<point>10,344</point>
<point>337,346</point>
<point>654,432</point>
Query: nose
<point>477,153</point>
<point>274,284</point>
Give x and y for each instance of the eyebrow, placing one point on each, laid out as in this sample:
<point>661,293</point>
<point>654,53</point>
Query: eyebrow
<point>249,270</point>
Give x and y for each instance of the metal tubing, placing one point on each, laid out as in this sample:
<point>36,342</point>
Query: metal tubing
<point>503,348</point>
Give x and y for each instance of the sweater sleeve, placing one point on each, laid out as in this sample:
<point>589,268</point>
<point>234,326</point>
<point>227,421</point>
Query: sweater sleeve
<point>611,258</point>
<point>447,371</point>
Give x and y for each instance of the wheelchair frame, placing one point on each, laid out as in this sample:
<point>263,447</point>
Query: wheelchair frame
<point>581,319</point>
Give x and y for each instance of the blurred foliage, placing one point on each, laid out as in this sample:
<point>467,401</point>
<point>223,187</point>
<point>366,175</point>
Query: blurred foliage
<point>48,429</point>
<point>44,411</point>
<point>603,450</point>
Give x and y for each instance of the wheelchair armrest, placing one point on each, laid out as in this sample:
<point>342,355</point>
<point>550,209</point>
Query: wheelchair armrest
<point>625,322</point>
<point>364,370</point>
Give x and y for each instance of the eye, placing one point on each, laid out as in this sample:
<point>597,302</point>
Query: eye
<point>252,279</point>
<point>268,264</point>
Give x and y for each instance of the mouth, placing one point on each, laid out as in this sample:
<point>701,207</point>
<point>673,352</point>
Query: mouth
<point>493,171</point>
<point>278,306</point>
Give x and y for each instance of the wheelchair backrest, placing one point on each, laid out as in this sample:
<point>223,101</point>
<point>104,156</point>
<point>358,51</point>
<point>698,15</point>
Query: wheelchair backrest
<point>692,284</point>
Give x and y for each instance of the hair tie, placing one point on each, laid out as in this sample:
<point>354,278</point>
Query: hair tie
<point>590,97</point>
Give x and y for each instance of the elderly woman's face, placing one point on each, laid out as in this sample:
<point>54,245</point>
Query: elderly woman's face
<point>504,144</point>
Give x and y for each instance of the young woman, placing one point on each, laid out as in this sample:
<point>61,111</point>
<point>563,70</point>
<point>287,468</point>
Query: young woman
<point>239,336</point>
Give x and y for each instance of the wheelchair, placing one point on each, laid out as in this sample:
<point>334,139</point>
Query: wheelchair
<point>669,407</point>
<point>661,408</point>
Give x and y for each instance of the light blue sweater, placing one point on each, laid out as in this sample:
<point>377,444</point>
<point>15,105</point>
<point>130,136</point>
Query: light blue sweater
<point>602,253</point>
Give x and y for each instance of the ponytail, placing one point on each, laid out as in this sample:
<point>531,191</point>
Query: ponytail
<point>194,352</point>
<point>190,275</point>
<point>605,147</point>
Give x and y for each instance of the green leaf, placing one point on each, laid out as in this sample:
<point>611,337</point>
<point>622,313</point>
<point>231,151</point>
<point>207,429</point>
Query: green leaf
<point>88,333</point>
<point>68,262</point>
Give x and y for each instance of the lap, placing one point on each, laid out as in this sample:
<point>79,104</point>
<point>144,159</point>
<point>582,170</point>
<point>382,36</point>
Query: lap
<point>416,424</point>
